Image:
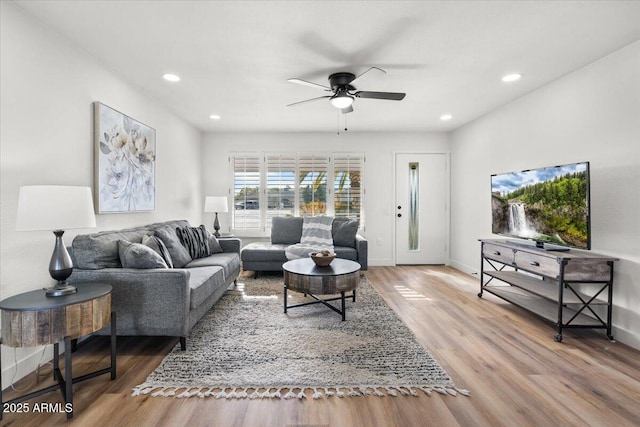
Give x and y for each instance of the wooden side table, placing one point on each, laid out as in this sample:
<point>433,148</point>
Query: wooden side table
<point>33,319</point>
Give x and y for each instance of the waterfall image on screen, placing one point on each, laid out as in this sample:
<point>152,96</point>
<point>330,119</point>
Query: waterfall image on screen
<point>546,205</point>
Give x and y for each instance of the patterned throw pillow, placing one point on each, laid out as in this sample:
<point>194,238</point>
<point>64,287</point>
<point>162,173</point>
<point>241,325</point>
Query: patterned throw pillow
<point>159,247</point>
<point>316,230</point>
<point>195,239</point>
<point>137,255</point>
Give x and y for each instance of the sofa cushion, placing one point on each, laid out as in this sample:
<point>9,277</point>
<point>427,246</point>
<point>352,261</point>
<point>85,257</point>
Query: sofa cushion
<point>203,281</point>
<point>137,255</point>
<point>158,246</point>
<point>100,250</point>
<point>195,239</point>
<point>230,262</point>
<point>179,254</point>
<point>343,231</point>
<point>286,230</point>
<point>264,251</point>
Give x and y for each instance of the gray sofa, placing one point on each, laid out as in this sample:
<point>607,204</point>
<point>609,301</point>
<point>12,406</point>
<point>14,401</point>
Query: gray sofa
<point>156,301</point>
<point>285,231</point>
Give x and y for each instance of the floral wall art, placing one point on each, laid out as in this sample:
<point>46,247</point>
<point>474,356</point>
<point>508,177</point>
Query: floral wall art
<point>125,162</point>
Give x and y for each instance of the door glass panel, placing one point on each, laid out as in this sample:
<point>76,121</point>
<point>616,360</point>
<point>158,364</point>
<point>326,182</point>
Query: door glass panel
<point>413,207</point>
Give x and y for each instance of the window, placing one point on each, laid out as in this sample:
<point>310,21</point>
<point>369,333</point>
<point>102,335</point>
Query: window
<point>280,185</point>
<point>347,185</point>
<point>312,184</point>
<point>246,191</point>
<point>298,184</point>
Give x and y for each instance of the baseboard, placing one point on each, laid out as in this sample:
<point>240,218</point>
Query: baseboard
<point>27,363</point>
<point>464,268</point>
<point>381,262</point>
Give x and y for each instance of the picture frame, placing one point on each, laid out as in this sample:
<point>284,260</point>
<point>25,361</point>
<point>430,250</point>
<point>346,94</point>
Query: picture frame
<point>125,162</point>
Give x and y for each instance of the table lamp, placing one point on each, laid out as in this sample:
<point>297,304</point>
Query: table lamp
<point>216,204</point>
<point>56,208</point>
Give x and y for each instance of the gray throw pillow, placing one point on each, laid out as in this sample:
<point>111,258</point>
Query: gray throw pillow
<point>214,245</point>
<point>137,255</point>
<point>158,246</point>
<point>286,230</point>
<point>344,232</point>
<point>179,254</point>
<point>195,239</point>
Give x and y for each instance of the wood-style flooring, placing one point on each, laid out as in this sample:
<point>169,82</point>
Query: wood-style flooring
<point>507,358</point>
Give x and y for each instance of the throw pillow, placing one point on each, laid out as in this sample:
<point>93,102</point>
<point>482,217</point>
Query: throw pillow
<point>214,245</point>
<point>344,232</point>
<point>158,246</point>
<point>286,230</point>
<point>137,255</point>
<point>179,254</point>
<point>316,230</point>
<point>195,239</point>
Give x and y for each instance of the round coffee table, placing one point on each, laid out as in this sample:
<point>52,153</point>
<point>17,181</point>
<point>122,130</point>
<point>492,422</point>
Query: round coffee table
<point>302,275</point>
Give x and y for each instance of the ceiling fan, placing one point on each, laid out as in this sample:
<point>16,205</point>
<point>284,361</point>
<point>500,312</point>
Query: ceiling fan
<point>342,85</point>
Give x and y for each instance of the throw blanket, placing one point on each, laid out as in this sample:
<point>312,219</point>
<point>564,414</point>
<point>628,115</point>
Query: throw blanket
<point>316,236</point>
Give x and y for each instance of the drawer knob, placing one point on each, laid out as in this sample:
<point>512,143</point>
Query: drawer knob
<point>496,252</point>
<point>534,263</point>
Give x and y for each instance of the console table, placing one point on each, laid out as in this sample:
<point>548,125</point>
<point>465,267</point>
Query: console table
<point>552,285</point>
<point>33,319</point>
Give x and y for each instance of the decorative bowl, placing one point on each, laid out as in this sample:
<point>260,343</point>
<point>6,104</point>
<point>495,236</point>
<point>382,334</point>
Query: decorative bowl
<point>322,259</point>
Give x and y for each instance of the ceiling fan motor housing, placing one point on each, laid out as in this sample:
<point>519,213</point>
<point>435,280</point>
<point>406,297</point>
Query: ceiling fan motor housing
<point>340,81</point>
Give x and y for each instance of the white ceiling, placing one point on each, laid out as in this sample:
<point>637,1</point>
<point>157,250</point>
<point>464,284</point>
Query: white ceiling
<point>235,57</point>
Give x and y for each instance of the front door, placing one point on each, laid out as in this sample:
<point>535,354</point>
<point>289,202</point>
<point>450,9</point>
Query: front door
<point>420,208</point>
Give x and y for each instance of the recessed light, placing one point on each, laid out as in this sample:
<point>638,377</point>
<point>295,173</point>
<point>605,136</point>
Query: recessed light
<point>215,117</point>
<point>171,77</point>
<point>511,77</point>
<point>446,117</point>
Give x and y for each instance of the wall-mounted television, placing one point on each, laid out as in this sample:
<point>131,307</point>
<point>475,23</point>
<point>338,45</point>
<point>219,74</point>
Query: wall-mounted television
<point>547,205</point>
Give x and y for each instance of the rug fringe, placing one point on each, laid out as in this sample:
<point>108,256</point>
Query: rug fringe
<point>293,392</point>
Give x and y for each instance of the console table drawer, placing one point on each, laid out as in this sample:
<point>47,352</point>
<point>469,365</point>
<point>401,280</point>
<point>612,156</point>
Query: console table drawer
<point>498,253</point>
<point>537,264</point>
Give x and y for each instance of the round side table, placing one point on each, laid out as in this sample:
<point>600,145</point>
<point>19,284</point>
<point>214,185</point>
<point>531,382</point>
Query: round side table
<point>33,319</point>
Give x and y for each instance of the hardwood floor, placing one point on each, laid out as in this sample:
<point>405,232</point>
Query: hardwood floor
<point>516,373</point>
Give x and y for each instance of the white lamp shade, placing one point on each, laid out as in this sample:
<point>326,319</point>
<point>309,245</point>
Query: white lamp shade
<point>54,207</point>
<point>216,204</point>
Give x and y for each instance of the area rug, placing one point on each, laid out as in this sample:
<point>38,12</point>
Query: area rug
<point>246,347</point>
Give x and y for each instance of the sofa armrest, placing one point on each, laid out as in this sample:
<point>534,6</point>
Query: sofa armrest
<point>362,246</point>
<point>147,302</point>
<point>230,245</point>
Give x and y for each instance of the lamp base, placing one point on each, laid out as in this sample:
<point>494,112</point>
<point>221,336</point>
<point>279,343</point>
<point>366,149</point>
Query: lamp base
<point>60,289</point>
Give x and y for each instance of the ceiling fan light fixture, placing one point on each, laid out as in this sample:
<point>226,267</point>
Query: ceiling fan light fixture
<point>341,100</point>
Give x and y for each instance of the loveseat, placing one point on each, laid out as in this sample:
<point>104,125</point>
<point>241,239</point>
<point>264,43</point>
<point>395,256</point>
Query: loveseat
<point>165,276</point>
<point>287,231</point>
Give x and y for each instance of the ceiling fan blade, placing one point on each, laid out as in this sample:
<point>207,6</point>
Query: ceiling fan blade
<point>347,110</point>
<point>310,84</point>
<point>308,100</point>
<point>354,81</point>
<point>393,96</point>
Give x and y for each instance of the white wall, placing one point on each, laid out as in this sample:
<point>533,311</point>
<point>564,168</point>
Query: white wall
<point>590,115</point>
<point>379,149</point>
<point>48,87</point>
